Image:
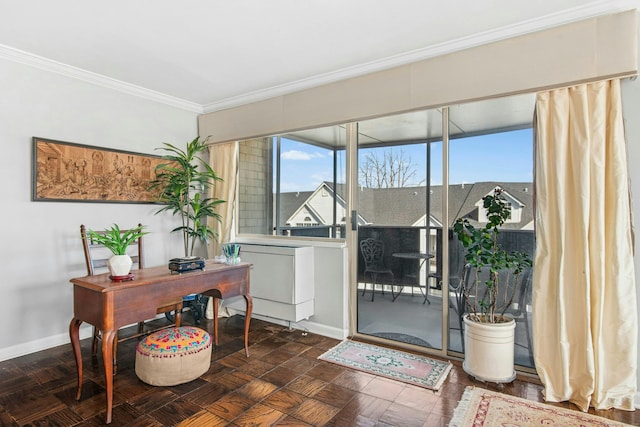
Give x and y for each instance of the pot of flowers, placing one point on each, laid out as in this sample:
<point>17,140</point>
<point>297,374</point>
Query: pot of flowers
<point>488,287</point>
<point>117,241</point>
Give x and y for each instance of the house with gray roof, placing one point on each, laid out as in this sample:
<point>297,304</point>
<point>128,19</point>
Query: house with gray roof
<point>405,206</point>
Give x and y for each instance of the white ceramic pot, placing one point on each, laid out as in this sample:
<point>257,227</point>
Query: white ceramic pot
<point>488,350</point>
<point>119,265</point>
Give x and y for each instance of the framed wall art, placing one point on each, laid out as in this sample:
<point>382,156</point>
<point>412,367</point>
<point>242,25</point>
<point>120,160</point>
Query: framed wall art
<point>68,172</point>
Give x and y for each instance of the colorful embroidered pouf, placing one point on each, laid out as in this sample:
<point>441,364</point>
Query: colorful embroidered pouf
<point>173,356</point>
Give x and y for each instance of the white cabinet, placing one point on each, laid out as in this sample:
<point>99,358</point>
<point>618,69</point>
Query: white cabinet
<point>281,281</point>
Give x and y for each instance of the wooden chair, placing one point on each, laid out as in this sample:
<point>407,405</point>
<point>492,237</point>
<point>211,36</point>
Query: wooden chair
<point>96,257</point>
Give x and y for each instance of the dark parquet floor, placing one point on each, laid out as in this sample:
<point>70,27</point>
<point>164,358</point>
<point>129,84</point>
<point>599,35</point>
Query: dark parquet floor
<point>281,383</point>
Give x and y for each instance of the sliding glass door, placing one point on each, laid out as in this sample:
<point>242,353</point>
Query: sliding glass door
<point>399,188</point>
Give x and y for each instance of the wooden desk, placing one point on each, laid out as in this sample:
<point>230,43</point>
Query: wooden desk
<point>111,305</point>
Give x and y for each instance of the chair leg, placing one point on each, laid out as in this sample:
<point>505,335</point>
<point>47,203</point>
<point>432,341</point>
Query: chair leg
<point>373,285</point>
<point>94,343</point>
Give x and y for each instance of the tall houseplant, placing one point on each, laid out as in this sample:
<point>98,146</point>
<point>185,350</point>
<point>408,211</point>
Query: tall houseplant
<point>489,287</point>
<point>117,241</point>
<point>182,183</point>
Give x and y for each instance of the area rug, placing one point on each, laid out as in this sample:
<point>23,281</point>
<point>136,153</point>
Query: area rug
<point>480,407</point>
<point>398,365</point>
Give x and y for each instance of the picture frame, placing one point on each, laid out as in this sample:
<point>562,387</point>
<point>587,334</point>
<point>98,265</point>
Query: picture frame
<point>69,172</point>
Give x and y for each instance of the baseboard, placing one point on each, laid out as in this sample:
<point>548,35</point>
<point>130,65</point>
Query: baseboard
<point>637,400</point>
<point>303,325</point>
<point>41,344</point>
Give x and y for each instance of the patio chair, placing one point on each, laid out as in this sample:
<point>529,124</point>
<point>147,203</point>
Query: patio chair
<point>373,254</point>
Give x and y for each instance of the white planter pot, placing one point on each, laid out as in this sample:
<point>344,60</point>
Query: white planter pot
<point>119,265</point>
<point>488,350</point>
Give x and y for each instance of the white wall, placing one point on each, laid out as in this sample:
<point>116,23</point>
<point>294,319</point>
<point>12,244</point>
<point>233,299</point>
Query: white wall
<point>40,245</point>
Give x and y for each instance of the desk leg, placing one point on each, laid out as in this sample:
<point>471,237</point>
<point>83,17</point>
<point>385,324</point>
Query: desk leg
<point>74,335</point>
<point>247,320</point>
<point>107,358</point>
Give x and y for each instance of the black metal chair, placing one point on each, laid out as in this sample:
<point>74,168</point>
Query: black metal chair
<point>373,255</point>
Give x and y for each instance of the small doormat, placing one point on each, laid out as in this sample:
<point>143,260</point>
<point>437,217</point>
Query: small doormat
<point>480,407</point>
<point>398,365</point>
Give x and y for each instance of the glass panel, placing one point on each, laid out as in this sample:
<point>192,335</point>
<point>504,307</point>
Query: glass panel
<point>399,160</point>
<point>491,145</point>
<point>289,183</point>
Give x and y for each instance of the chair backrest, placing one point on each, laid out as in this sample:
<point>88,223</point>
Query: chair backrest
<point>372,251</point>
<point>96,255</point>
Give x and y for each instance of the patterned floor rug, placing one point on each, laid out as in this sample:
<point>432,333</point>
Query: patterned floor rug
<point>480,407</point>
<point>410,368</point>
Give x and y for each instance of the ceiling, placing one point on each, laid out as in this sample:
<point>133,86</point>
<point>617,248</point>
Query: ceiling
<point>207,55</point>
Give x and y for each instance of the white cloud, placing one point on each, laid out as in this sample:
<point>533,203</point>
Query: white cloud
<point>300,155</point>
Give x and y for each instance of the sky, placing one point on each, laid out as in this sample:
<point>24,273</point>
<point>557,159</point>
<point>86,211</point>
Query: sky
<point>506,156</point>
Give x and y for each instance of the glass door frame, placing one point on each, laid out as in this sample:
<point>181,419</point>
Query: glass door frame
<point>352,239</point>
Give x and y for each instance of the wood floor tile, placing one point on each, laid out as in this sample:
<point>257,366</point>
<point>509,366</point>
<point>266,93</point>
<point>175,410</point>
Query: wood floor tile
<point>354,380</point>
<point>325,371</point>
<point>292,422</point>
<point>230,406</point>
<point>315,412</point>
<point>259,415</point>
<point>383,388</point>
<point>307,386</point>
<point>31,404</point>
<point>61,418</point>
<point>257,389</point>
<point>203,419</point>
<point>300,364</point>
<point>152,399</point>
<point>175,411</point>
<point>367,406</point>
<point>256,367</point>
<point>280,376</point>
<point>397,414</point>
<point>234,380</point>
<point>284,400</point>
<point>207,394</point>
<point>281,383</point>
<point>335,395</point>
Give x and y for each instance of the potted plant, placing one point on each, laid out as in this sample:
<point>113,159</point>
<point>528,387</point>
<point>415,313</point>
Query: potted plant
<point>488,288</point>
<point>117,241</point>
<point>182,181</point>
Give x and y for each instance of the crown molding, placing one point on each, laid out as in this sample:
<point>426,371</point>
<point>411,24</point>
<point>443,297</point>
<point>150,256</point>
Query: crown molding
<point>590,10</point>
<point>42,63</point>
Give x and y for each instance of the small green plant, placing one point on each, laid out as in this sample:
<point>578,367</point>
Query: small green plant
<point>182,181</point>
<point>488,303</point>
<point>115,239</point>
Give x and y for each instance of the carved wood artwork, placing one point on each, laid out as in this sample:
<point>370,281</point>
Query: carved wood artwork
<point>64,171</point>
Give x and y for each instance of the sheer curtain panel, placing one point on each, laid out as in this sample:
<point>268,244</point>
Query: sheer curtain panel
<point>223,158</point>
<point>584,301</point>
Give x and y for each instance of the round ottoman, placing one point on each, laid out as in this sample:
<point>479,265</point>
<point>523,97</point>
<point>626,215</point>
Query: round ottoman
<point>173,356</point>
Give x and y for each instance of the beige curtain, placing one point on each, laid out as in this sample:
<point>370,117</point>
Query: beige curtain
<point>584,300</point>
<point>223,158</point>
